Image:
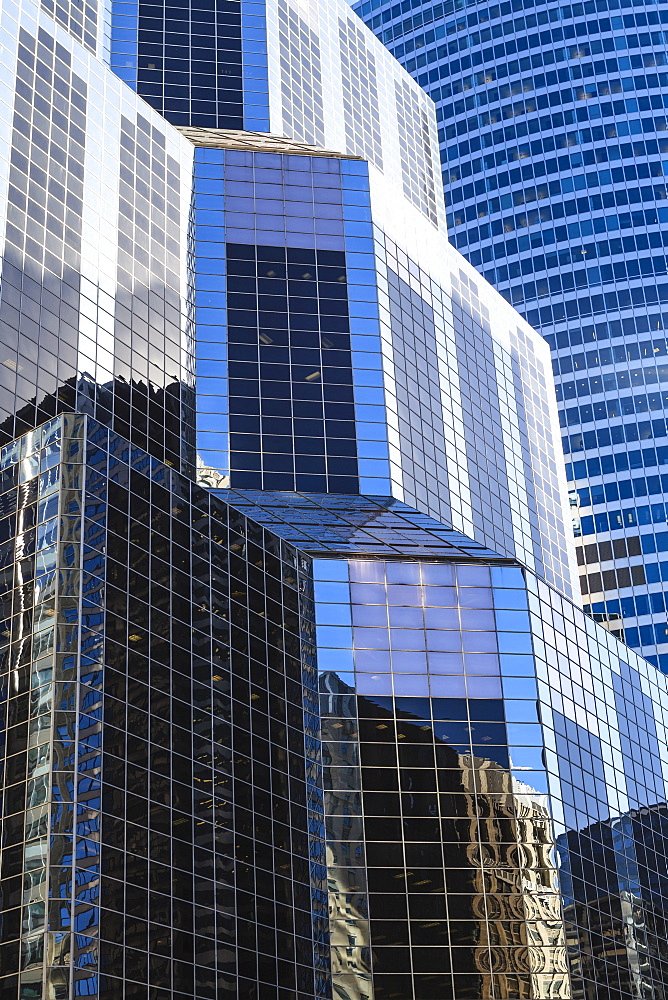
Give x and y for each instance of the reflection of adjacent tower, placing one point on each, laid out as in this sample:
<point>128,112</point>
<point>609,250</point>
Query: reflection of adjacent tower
<point>522,945</point>
<point>346,875</point>
<point>610,929</point>
<point>505,934</point>
<point>616,922</point>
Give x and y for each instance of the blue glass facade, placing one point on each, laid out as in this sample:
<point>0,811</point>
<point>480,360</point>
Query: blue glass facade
<point>551,125</point>
<point>294,700</point>
<point>471,717</point>
<point>163,829</point>
<point>475,804</point>
<point>325,354</point>
<point>201,64</point>
<point>401,374</point>
<point>288,354</point>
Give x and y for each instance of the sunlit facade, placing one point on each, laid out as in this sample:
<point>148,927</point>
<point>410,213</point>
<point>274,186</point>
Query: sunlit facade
<point>552,136</point>
<point>297,702</point>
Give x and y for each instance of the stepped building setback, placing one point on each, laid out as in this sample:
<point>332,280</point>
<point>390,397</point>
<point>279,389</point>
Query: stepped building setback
<point>298,699</point>
<point>553,141</point>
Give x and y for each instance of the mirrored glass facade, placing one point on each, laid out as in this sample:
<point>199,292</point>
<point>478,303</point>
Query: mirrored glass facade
<point>328,359</point>
<point>94,254</point>
<point>162,812</point>
<point>343,345</point>
<point>255,752</point>
<point>445,750</point>
<point>551,125</point>
<point>295,703</point>
<point>493,769</point>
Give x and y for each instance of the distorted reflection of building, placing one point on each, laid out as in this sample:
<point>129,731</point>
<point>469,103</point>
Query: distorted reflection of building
<point>522,921</point>
<point>506,935</point>
<point>346,873</point>
<point>614,889</point>
<point>262,426</point>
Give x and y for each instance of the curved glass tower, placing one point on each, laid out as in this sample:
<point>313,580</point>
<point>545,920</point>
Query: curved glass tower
<point>554,146</point>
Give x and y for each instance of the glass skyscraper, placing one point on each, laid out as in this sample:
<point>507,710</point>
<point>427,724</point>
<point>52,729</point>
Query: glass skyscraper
<point>297,701</point>
<point>552,125</point>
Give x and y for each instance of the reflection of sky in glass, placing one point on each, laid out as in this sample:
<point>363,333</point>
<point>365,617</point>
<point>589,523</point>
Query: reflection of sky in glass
<point>354,526</point>
<point>418,629</point>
